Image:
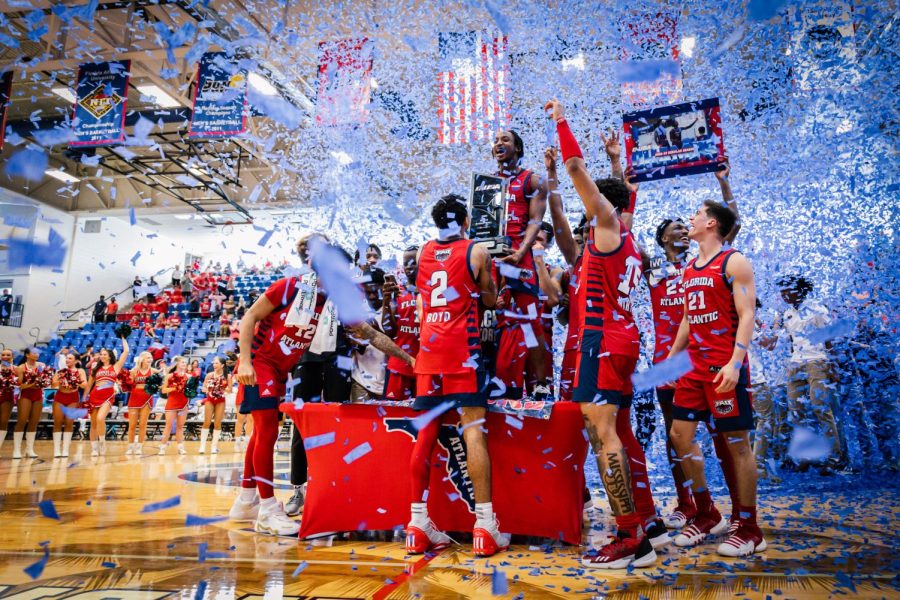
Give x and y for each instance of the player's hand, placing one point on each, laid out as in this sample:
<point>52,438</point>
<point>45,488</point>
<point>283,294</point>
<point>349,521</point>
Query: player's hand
<point>558,113</point>
<point>501,303</point>
<point>611,144</point>
<point>727,378</point>
<point>550,159</point>
<point>563,301</point>
<point>390,288</point>
<point>722,174</point>
<point>513,258</point>
<point>630,183</point>
<point>246,374</point>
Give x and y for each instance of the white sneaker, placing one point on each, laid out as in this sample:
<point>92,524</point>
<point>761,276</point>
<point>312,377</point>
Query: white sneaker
<point>675,520</point>
<point>162,450</point>
<point>181,449</point>
<point>30,454</point>
<point>214,449</point>
<point>202,449</point>
<point>138,450</point>
<point>95,452</point>
<point>422,536</point>
<point>130,450</point>
<point>276,522</point>
<point>487,539</point>
<point>102,447</point>
<point>244,511</point>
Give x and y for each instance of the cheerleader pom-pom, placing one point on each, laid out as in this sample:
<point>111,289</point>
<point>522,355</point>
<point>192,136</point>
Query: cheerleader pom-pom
<point>191,388</point>
<point>153,383</point>
<point>123,330</point>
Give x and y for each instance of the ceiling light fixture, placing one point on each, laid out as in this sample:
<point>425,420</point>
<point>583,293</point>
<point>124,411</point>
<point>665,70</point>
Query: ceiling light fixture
<point>61,175</point>
<point>65,93</point>
<point>262,85</point>
<point>158,97</point>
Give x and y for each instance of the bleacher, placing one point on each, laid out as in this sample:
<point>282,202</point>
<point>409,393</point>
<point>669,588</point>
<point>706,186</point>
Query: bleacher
<point>244,284</point>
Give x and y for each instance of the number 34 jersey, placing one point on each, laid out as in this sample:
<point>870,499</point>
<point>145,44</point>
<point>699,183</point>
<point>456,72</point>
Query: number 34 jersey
<point>449,337</point>
<point>609,280</point>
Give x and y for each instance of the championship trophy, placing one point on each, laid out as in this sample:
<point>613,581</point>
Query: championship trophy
<point>487,207</point>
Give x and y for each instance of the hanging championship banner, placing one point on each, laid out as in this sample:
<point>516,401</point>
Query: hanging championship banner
<point>100,99</point>
<point>487,207</point>
<point>220,98</point>
<point>5,97</point>
<point>671,141</point>
<point>345,82</point>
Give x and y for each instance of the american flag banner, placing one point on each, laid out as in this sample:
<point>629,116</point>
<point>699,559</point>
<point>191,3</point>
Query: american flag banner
<point>473,86</point>
<point>345,82</point>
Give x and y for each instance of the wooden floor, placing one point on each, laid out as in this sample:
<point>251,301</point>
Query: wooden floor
<point>826,538</point>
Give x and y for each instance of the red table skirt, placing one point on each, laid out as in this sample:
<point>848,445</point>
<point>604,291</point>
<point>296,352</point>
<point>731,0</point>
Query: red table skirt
<point>359,457</point>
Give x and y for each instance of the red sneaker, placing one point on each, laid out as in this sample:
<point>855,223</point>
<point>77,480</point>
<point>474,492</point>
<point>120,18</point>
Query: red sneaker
<point>681,516</point>
<point>427,537</point>
<point>621,551</point>
<point>700,527</point>
<point>746,540</point>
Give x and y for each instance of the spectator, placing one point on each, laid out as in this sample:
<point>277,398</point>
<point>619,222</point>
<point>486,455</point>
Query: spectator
<point>369,363</point>
<point>241,308</point>
<point>194,307</point>
<point>229,286</point>
<point>162,304</point>
<point>100,310</point>
<point>224,323</point>
<point>61,358</point>
<point>174,321</point>
<point>195,370</point>
<point>215,302</point>
<point>221,285</point>
<point>769,413</point>
<point>205,308</point>
<point>152,290</point>
<point>235,330</point>
<point>6,303</point>
<point>158,351</point>
<point>810,383</point>
<point>176,276</point>
<point>373,256</point>
<point>187,286</point>
<point>85,356</point>
<point>229,306</point>
<point>139,307</point>
<point>253,295</point>
<point>161,320</point>
<point>112,310</point>
<point>136,292</point>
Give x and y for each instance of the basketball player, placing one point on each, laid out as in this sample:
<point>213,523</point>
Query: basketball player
<point>68,382</point>
<point>527,204</point>
<point>402,318</point>
<point>101,393</point>
<point>665,280</point>
<point>269,349</point>
<point>454,272</point>
<point>608,352</point>
<point>139,403</point>
<point>720,306</point>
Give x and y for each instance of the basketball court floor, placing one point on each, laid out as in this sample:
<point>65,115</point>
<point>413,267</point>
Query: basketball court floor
<point>146,528</point>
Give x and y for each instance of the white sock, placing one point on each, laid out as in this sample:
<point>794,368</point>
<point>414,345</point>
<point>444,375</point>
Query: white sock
<point>17,441</point>
<point>29,440</point>
<point>248,494</point>
<point>2,437</point>
<point>217,433</point>
<point>484,511</point>
<point>418,511</point>
<point>204,435</point>
<point>95,444</point>
<point>57,442</point>
<point>268,504</point>
<point>67,440</point>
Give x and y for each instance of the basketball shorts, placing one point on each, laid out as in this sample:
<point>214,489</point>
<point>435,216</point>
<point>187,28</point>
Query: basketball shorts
<point>399,387</point>
<point>463,389</point>
<point>600,377</point>
<point>696,399</point>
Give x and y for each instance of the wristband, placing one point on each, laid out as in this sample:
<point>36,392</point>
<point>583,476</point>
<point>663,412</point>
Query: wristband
<point>632,201</point>
<point>568,145</point>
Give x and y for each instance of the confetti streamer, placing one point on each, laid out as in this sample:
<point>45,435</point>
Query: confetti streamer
<point>357,452</point>
<point>155,506</point>
<point>48,509</point>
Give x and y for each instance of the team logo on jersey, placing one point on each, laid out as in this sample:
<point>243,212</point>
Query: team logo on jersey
<point>456,467</point>
<point>442,255</point>
<point>725,407</point>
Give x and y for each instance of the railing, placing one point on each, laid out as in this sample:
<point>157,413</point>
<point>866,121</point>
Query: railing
<point>14,318</point>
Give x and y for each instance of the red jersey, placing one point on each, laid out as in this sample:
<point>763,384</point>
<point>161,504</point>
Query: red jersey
<point>407,336</point>
<point>278,345</point>
<point>518,213</point>
<point>575,309</point>
<point>449,338</point>
<point>666,282</point>
<point>105,378</point>
<point>609,280</point>
<point>711,314</point>
<point>141,378</point>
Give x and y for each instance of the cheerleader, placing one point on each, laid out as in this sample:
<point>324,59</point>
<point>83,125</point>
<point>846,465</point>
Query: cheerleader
<point>214,386</point>
<point>101,390</point>
<point>243,427</point>
<point>176,404</point>
<point>67,382</point>
<point>32,381</point>
<point>139,403</point>
<point>8,382</point>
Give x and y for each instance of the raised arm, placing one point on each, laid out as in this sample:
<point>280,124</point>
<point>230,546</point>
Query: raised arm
<point>600,211</point>
<point>537,208</point>
<point>743,288</point>
<point>613,152</point>
<point>548,284</point>
<point>121,362</point>
<point>564,238</point>
<point>728,198</point>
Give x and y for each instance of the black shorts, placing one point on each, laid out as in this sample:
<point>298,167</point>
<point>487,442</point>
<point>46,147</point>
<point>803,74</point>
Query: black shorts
<point>665,395</point>
<point>252,401</point>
